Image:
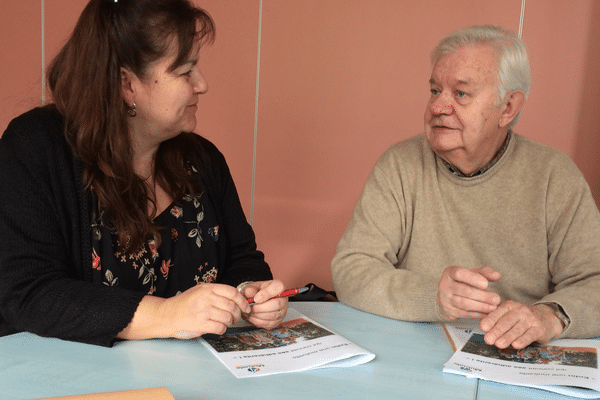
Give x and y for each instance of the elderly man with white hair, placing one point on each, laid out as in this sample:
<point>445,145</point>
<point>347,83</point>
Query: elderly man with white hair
<point>472,220</point>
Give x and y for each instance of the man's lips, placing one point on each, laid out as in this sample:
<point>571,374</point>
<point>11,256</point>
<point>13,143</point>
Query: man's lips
<point>437,123</point>
<point>442,127</point>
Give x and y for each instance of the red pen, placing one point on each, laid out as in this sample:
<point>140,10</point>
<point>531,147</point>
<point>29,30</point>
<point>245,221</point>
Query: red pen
<point>285,293</point>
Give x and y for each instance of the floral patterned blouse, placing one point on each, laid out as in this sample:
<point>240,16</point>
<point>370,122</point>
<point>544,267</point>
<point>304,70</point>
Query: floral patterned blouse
<point>186,257</point>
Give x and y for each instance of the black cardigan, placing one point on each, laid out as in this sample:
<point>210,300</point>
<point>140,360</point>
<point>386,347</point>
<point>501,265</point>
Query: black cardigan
<point>45,237</point>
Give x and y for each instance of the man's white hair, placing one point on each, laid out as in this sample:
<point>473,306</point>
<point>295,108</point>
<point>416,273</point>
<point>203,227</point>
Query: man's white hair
<point>513,64</point>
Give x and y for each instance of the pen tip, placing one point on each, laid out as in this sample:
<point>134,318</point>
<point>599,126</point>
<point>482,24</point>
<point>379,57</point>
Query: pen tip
<point>303,289</point>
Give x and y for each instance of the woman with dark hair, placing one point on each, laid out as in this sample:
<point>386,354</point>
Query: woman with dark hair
<point>116,221</point>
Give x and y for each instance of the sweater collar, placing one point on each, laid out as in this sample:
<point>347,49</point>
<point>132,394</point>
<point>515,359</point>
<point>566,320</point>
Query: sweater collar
<point>480,171</point>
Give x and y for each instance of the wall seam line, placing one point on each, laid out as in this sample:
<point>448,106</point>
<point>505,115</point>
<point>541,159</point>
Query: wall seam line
<point>43,38</point>
<point>255,142</point>
<point>521,18</point>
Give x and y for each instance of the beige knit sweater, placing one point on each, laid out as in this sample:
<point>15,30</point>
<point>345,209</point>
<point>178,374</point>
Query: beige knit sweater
<point>531,217</point>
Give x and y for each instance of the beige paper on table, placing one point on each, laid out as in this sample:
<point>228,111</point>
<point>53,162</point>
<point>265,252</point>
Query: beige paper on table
<point>158,393</point>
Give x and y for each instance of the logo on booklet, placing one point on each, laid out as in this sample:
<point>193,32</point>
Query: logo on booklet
<point>250,367</point>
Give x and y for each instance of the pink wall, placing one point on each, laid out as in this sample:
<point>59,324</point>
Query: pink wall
<point>339,82</point>
<point>21,65</point>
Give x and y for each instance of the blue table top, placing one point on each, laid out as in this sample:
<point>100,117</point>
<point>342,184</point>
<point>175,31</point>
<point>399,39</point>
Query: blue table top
<point>409,362</point>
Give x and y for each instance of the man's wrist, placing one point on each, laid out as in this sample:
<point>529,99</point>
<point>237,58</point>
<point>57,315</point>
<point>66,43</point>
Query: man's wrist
<point>560,314</point>
<point>443,317</point>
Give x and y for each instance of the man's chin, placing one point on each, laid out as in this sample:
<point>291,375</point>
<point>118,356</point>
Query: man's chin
<point>443,142</point>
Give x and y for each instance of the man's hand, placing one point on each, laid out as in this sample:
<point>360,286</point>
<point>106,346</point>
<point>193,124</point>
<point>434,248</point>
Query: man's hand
<point>462,293</point>
<point>519,325</point>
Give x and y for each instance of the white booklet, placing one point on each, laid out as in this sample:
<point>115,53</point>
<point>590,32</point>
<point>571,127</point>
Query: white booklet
<point>298,344</point>
<point>566,366</point>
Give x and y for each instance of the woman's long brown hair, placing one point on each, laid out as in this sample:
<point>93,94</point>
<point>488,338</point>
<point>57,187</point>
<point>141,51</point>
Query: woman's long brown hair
<point>86,87</point>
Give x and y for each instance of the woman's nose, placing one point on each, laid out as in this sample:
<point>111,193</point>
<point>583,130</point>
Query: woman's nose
<point>200,84</point>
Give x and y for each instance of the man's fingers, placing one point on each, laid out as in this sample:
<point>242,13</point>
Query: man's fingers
<point>503,336</point>
<point>522,334</point>
<point>492,319</point>
<point>526,339</point>
<point>455,307</point>
<point>462,293</point>
<point>479,303</point>
<point>457,313</point>
<point>478,278</point>
<point>517,325</point>
<point>466,276</point>
<point>489,273</point>
<point>469,298</point>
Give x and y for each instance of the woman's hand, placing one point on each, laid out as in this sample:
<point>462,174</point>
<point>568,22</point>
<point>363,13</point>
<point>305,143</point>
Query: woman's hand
<point>267,311</point>
<point>205,308</point>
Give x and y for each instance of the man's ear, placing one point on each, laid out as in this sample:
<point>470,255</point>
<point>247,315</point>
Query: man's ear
<point>127,86</point>
<point>513,104</point>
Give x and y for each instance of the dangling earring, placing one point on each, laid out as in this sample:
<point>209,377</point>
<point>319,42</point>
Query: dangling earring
<point>131,111</point>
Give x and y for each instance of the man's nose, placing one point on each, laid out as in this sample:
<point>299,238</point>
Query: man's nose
<point>441,105</point>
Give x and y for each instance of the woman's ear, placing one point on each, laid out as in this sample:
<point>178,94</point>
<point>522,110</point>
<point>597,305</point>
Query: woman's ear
<point>127,86</point>
<point>513,104</point>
